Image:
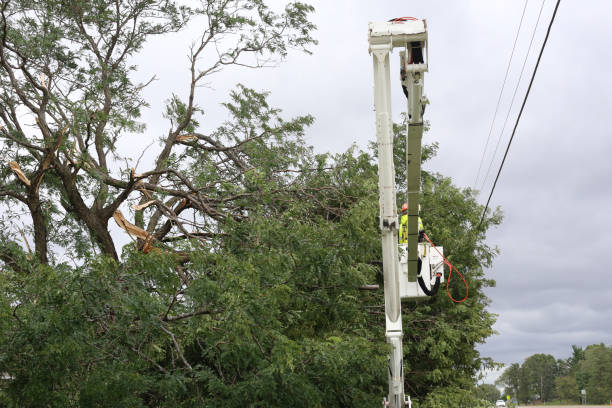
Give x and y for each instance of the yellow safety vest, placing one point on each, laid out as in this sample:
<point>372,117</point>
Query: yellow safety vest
<point>403,231</point>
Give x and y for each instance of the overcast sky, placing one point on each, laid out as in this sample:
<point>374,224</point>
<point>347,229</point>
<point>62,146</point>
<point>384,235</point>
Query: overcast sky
<point>554,287</point>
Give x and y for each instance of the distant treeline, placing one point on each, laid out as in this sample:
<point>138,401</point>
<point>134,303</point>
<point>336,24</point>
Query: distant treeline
<point>542,377</point>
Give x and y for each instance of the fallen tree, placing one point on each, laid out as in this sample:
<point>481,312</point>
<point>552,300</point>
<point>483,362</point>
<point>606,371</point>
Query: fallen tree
<point>241,280</point>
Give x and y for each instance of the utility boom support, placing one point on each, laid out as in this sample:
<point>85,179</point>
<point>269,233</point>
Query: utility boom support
<point>413,83</point>
<point>401,269</point>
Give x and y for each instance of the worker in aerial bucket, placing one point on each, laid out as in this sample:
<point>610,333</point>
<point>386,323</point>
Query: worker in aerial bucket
<point>403,231</point>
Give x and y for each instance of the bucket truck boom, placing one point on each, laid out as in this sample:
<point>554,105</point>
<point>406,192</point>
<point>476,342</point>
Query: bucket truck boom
<point>410,269</point>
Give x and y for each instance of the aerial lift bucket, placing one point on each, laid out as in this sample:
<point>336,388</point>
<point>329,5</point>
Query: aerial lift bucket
<point>430,273</point>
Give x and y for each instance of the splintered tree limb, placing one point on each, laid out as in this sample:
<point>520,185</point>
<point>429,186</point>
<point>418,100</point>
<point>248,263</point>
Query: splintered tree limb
<point>130,228</point>
<point>135,182</point>
<point>142,206</point>
<point>100,109</point>
<point>144,238</point>
<point>32,200</point>
<point>20,174</point>
<point>186,138</point>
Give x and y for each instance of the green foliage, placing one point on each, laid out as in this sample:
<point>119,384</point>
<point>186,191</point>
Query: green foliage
<point>251,297</point>
<point>272,316</point>
<point>282,324</point>
<point>541,377</point>
<point>511,380</point>
<point>539,371</point>
<point>488,392</point>
<point>453,397</point>
<point>594,373</point>
<point>576,357</point>
<point>567,389</point>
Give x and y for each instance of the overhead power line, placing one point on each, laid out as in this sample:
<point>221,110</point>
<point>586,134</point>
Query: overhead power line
<point>518,118</point>
<point>518,82</point>
<point>500,94</point>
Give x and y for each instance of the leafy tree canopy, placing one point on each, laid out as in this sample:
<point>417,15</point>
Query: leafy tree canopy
<point>243,282</point>
<point>542,377</point>
<point>488,392</point>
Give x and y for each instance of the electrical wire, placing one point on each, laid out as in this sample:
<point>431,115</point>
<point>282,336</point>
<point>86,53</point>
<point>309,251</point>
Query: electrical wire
<point>518,82</point>
<point>518,118</point>
<point>500,95</point>
<point>450,273</point>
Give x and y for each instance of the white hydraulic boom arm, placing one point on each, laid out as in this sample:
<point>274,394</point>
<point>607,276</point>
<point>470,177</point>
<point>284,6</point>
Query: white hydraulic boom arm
<point>409,268</point>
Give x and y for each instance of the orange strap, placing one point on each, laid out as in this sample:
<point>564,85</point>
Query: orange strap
<point>450,267</point>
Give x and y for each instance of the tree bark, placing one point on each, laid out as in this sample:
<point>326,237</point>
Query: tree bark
<point>95,221</point>
<point>40,228</point>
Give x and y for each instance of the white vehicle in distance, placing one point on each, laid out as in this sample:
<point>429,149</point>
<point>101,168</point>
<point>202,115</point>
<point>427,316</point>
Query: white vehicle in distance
<point>500,403</point>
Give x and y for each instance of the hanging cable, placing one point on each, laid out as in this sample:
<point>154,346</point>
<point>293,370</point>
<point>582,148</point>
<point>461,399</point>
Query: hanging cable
<point>518,82</point>
<point>450,273</point>
<point>518,118</point>
<point>422,283</point>
<point>500,95</point>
